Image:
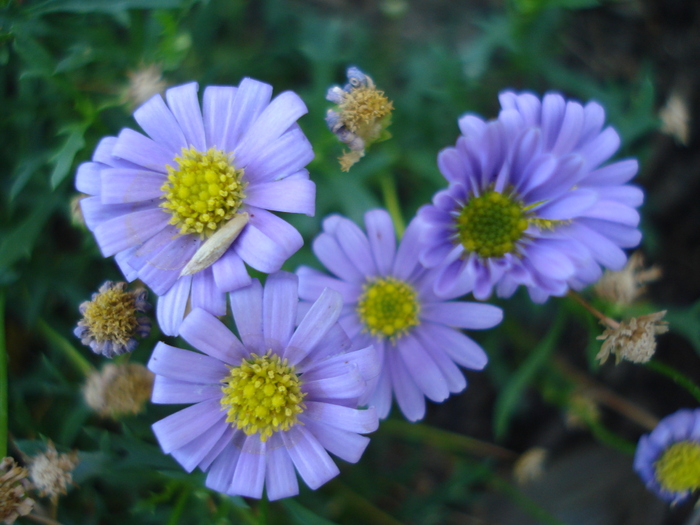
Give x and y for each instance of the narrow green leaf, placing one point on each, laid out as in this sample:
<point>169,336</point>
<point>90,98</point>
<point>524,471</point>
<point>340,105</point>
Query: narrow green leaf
<point>303,516</point>
<point>63,160</point>
<point>78,55</point>
<point>37,60</point>
<point>100,6</point>
<point>24,172</point>
<point>686,322</point>
<point>510,397</point>
<point>19,242</point>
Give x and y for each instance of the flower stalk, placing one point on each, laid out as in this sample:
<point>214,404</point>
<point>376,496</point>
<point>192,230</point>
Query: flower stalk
<point>3,380</point>
<point>58,341</point>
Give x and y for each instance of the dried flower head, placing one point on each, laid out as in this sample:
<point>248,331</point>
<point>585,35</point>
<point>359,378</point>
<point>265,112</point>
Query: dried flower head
<point>634,339</point>
<point>51,472</point>
<point>112,319</point>
<point>13,485</point>
<point>362,115</point>
<point>675,118</point>
<point>118,389</point>
<point>530,465</point>
<point>624,287</point>
<point>145,82</point>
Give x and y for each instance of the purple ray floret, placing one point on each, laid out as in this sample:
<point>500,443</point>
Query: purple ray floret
<point>389,303</point>
<point>127,209</point>
<point>330,373</point>
<point>571,213</point>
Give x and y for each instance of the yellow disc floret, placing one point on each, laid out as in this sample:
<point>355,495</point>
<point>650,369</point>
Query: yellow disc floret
<point>362,107</point>
<point>203,192</point>
<point>263,395</point>
<point>388,307</point>
<point>678,468</point>
<point>111,315</point>
<point>491,224</point>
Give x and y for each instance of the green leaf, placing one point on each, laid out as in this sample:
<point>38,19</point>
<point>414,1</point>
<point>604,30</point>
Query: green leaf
<point>686,322</point>
<point>302,515</point>
<point>25,171</point>
<point>37,60</point>
<point>19,242</point>
<point>100,6</point>
<point>509,399</point>
<point>63,160</point>
<point>78,55</point>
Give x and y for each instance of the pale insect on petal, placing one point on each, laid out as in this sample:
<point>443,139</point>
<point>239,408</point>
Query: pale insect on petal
<point>216,245</point>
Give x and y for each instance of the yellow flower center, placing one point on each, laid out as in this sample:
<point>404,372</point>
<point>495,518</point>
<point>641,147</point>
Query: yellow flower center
<point>111,316</point>
<point>262,395</point>
<point>363,107</point>
<point>491,224</point>
<point>388,307</point>
<point>203,192</point>
<point>678,468</point>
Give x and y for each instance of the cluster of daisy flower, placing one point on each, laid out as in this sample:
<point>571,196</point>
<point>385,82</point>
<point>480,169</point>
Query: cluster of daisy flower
<point>317,358</point>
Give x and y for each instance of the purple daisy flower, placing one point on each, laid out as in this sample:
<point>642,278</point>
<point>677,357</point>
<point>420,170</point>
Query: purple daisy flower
<point>529,202</point>
<point>184,209</point>
<point>274,400</point>
<point>668,459</point>
<point>389,303</point>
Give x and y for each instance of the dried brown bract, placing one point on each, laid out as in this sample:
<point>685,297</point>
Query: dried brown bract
<point>633,340</point>
<point>51,472</point>
<point>13,486</point>
<point>627,285</point>
<point>118,390</point>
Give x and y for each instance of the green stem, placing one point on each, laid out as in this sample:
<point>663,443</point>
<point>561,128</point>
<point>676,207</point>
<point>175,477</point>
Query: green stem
<point>244,514</point>
<point>3,380</point>
<point>60,342</point>
<point>523,501</point>
<point>179,507</point>
<point>445,440</point>
<point>609,438</point>
<point>680,379</point>
<point>391,201</point>
<point>262,510</point>
<point>363,507</point>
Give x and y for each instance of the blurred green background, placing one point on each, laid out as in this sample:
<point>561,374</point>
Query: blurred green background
<point>65,72</point>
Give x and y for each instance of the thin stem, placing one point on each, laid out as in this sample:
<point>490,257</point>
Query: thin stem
<point>60,342</point>
<point>391,201</point>
<point>262,510</point>
<point>179,507</point>
<point>605,396</point>
<point>604,318</point>
<point>677,377</point>
<point>3,380</point>
<point>446,440</point>
<point>609,438</point>
<point>42,519</point>
<point>523,501</point>
<point>364,507</point>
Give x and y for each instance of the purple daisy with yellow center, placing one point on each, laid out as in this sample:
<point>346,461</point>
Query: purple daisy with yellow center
<point>530,201</point>
<point>185,206</point>
<point>389,303</point>
<point>668,459</point>
<point>274,400</point>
